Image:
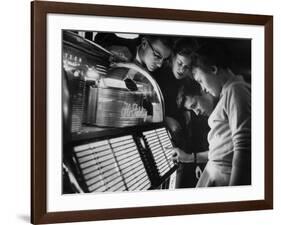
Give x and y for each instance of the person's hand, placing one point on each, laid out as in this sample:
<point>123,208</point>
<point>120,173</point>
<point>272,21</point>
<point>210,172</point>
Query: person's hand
<point>181,156</point>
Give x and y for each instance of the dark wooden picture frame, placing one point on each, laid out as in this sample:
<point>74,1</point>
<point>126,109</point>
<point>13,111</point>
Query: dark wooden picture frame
<point>39,11</point>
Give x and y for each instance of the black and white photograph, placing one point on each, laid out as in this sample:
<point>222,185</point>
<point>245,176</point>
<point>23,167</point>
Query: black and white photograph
<point>147,111</point>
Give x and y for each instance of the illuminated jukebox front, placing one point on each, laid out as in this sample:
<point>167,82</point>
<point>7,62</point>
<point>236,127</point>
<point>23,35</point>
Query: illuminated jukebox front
<point>113,130</point>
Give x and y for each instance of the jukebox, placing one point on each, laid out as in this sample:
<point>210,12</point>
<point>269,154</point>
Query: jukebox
<point>114,138</point>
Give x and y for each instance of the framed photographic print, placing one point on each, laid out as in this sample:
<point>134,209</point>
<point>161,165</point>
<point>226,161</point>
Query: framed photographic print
<point>144,112</point>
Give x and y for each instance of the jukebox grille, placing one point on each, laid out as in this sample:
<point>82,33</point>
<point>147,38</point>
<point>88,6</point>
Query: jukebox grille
<point>78,93</point>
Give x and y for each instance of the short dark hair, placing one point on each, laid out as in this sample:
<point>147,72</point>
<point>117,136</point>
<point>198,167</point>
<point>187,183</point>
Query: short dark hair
<point>190,88</point>
<point>166,40</point>
<point>213,52</point>
<point>186,46</point>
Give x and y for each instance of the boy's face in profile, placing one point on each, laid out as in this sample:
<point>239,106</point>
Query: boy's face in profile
<point>208,80</point>
<point>154,54</point>
<point>200,104</point>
